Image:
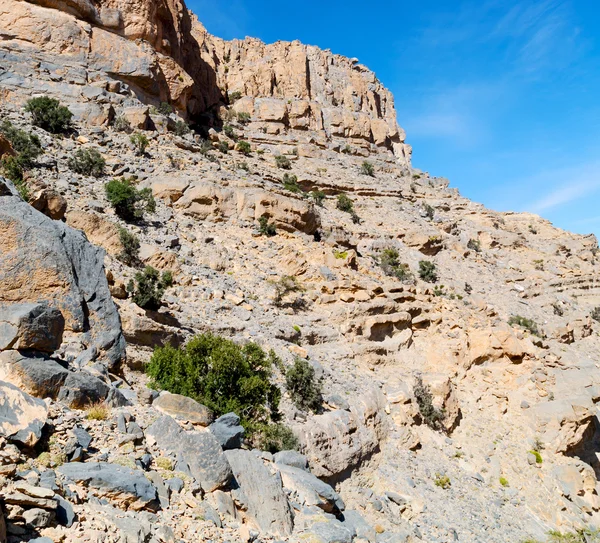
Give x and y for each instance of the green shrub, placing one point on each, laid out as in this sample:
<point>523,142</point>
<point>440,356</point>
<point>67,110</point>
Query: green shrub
<point>581,536</point>
<point>303,387</point>
<point>87,162</point>
<point>121,124</point>
<point>276,437</point>
<point>355,218</point>
<point>287,284</point>
<point>443,481</point>
<point>431,416</point>
<point>474,245</point>
<point>527,324</point>
<point>427,271</point>
<point>367,168</point>
<point>12,169</point>
<point>244,147</point>
<point>265,228</point>
<point>181,128</point>
<point>391,265</point>
<point>128,202</point>
<point>318,196</point>
<point>290,182</point>
<point>165,108</point>
<point>48,114</point>
<point>283,162</point>
<point>220,374</point>
<point>595,314</point>
<point>223,147</point>
<point>234,96</point>
<point>538,456</point>
<point>504,482</point>
<point>243,117</point>
<point>130,255</point>
<point>26,146</point>
<point>344,203</point>
<point>140,143</point>
<point>229,131</point>
<point>149,287</point>
<point>429,211</point>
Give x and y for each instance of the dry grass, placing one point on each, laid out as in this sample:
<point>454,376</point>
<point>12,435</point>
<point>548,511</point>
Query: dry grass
<point>98,411</point>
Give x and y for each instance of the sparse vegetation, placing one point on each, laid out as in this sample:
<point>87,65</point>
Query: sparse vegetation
<point>443,481</point>
<point>243,117</point>
<point>391,265</point>
<point>130,255</point>
<point>223,147</point>
<point>48,114</point>
<point>121,124</point>
<point>235,95</point>
<point>87,162</point>
<point>276,437</point>
<point>148,288</point>
<point>140,143</point>
<point>528,324</point>
<point>303,387</point>
<point>181,128</point>
<point>244,147</point>
<point>318,197</point>
<point>98,411</point>
<point>595,314</point>
<point>165,108</point>
<point>580,536</point>
<point>474,245</point>
<point>286,285</point>
<point>367,168</point>
<point>429,211</point>
<point>220,374</point>
<point>344,203</point>
<point>538,456</point>
<point>340,255</point>
<point>290,182</point>
<point>265,227</point>
<point>504,482</point>
<point>428,271</point>
<point>128,202</point>
<point>229,132</point>
<point>283,162</point>
<point>430,415</point>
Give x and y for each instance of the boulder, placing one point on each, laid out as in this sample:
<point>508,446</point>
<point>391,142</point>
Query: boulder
<point>129,488</point>
<point>262,493</point>
<point>35,374</point>
<point>22,417</point>
<point>31,326</point>
<point>183,409</point>
<point>42,260</point>
<point>228,431</point>
<point>82,389</point>
<point>291,458</point>
<point>50,203</point>
<point>199,453</point>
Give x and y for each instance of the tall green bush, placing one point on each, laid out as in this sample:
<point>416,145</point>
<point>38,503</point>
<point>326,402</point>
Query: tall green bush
<point>149,286</point>
<point>303,387</point>
<point>49,114</point>
<point>128,202</point>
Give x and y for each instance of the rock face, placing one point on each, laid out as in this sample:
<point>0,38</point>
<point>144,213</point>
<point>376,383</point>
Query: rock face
<point>36,327</point>
<point>22,417</point>
<point>59,267</point>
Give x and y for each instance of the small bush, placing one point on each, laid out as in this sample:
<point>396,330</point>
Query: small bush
<point>429,211</point>
<point>443,481</point>
<point>149,287</point>
<point>431,416</point>
<point>128,202</point>
<point>140,143</point>
<point>344,203</point>
<point>303,387</point>
<point>234,96</point>
<point>427,271</point>
<point>367,168</point>
<point>265,227</point>
<point>229,131</point>
<point>538,456</point>
<point>504,482</point>
<point>121,124</point>
<point>27,146</point>
<point>87,162</point>
<point>581,536</point>
<point>474,245</point>
<point>165,108</point>
<point>595,314</point>
<point>355,218</point>
<point>220,374</point>
<point>181,128</point>
<point>290,182</point>
<point>283,162</point>
<point>391,265</point>
<point>98,411</point>
<point>318,197</point>
<point>244,147</point>
<point>276,437</point>
<point>223,147</point>
<point>48,114</point>
<point>528,324</point>
<point>287,284</point>
<point>130,255</point>
<point>164,463</point>
<point>243,117</point>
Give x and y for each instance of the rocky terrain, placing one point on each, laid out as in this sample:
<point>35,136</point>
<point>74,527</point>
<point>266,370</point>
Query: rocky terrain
<point>502,330</point>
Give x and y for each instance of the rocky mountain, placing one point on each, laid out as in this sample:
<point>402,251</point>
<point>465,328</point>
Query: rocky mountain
<point>456,347</point>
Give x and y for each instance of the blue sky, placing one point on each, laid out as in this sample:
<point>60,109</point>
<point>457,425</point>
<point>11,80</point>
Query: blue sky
<point>501,97</point>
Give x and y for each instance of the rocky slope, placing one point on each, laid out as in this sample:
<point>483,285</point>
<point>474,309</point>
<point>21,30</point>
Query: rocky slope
<point>158,468</point>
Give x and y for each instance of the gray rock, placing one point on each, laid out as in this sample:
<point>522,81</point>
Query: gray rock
<point>291,458</point>
<point>130,487</point>
<point>263,492</point>
<point>228,431</point>
<point>31,326</point>
<point>198,453</point>
<point>183,408</point>
<point>175,484</point>
<point>47,261</point>
<point>22,416</point>
<point>82,389</point>
<point>355,522</point>
<point>37,518</point>
<point>161,488</point>
<point>332,531</point>
<point>84,439</point>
